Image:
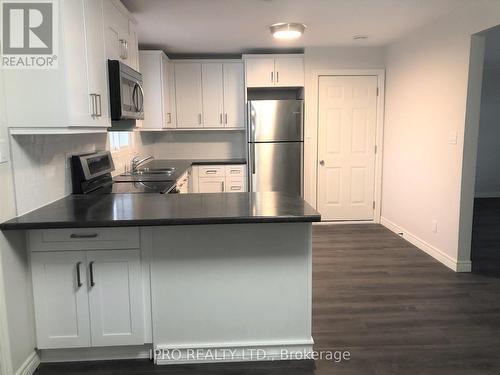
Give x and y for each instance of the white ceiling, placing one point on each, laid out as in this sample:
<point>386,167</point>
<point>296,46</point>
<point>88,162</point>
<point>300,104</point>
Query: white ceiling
<point>234,26</point>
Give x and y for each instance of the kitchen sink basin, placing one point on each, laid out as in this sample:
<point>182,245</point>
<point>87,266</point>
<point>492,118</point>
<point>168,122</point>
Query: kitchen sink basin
<point>150,172</point>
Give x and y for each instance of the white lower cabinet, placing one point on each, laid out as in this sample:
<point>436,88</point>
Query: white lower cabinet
<point>61,299</point>
<point>88,298</point>
<point>115,298</point>
<point>220,178</point>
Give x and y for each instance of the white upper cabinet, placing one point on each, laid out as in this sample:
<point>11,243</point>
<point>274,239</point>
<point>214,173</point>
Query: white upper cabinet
<point>73,96</point>
<point>234,95</point>
<point>188,95</point>
<point>274,70</point>
<point>213,95</point>
<point>260,72</point>
<point>158,90</point>
<point>120,34</point>
<point>289,71</point>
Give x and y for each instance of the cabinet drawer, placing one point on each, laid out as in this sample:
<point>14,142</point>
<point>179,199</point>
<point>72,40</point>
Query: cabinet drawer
<point>235,184</point>
<point>236,170</point>
<point>83,239</point>
<point>212,171</point>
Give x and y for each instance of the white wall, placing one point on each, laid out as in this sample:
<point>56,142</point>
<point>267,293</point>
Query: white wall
<point>200,145</point>
<point>17,334</point>
<point>321,59</point>
<point>426,98</point>
<point>488,153</point>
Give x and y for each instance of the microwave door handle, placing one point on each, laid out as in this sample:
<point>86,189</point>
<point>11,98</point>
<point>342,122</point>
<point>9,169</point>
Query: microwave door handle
<point>134,95</point>
<point>141,98</point>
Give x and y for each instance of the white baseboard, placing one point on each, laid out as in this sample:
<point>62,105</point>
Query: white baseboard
<point>487,194</point>
<point>241,352</point>
<point>336,222</point>
<point>96,354</point>
<point>448,261</point>
<point>29,366</point>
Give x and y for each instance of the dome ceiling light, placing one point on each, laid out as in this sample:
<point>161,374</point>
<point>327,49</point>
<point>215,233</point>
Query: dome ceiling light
<point>287,30</point>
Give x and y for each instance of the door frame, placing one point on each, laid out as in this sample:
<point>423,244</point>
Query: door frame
<point>311,134</point>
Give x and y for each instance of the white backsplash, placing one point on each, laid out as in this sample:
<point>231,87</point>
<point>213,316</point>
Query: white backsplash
<point>41,165</point>
<point>200,145</point>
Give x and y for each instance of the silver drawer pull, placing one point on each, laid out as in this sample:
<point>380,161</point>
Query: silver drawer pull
<point>84,235</point>
<point>235,187</point>
<point>211,171</point>
<point>235,171</point>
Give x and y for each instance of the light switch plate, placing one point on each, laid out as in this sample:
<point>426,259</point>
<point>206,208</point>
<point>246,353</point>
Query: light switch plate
<point>4,151</point>
<point>452,137</point>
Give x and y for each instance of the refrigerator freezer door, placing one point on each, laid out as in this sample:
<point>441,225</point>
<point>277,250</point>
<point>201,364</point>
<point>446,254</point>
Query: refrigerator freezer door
<point>276,167</point>
<point>276,120</point>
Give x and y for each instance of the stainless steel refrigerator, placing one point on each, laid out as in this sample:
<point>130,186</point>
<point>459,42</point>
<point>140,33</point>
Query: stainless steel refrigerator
<point>276,145</point>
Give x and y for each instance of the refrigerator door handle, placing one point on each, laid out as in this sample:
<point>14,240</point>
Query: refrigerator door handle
<point>253,158</point>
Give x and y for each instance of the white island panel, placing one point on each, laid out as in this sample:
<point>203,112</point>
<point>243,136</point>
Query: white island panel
<point>239,286</point>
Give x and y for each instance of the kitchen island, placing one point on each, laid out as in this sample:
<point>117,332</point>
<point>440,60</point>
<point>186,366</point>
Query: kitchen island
<point>193,274</point>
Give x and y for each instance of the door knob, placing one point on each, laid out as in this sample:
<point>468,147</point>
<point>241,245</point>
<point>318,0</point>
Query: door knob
<point>321,162</point>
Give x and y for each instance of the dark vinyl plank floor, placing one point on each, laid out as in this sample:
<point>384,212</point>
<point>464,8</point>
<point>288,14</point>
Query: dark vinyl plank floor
<point>486,236</point>
<point>394,308</point>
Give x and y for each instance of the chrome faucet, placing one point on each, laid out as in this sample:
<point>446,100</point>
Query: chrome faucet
<point>136,162</point>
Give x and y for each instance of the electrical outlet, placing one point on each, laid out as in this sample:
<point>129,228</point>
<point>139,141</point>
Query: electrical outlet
<point>434,226</point>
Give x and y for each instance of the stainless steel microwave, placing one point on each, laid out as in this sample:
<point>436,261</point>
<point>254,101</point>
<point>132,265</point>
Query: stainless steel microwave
<point>126,95</point>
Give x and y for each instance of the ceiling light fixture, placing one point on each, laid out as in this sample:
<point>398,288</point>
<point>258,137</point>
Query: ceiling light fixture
<point>287,30</point>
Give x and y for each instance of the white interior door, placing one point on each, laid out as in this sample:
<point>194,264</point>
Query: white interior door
<point>213,111</point>
<point>61,300</point>
<point>115,299</point>
<point>346,147</point>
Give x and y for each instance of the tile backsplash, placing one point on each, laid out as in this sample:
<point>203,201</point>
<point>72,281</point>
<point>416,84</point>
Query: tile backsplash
<point>41,167</point>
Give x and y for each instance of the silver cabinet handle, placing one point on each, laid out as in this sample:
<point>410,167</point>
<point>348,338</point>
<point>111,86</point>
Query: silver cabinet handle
<point>211,171</point>
<point>223,186</point>
<point>94,105</point>
<point>225,118</point>
<point>78,275</point>
<point>169,116</point>
<point>272,76</point>
<point>83,235</point>
<point>98,100</point>
<point>277,77</point>
<point>123,49</point>
<point>220,118</point>
<point>235,187</point>
<point>321,162</point>
<point>199,118</point>
<point>91,268</point>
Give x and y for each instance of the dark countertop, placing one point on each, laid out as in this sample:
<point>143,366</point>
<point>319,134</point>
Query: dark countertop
<point>122,210</point>
<point>180,165</point>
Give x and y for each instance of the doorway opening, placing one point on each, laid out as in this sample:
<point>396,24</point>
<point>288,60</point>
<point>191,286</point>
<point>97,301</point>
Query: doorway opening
<point>485,247</point>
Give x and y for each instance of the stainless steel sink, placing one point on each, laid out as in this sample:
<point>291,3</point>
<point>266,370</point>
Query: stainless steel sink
<point>154,170</point>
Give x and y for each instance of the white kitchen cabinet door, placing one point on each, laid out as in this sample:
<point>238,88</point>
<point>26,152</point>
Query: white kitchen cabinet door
<point>152,84</point>
<point>260,72</point>
<point>213,93</point>
<point>289,71</point>
<point>167,92</point>
<point>133,47</point>
<point>211,185</point>
<point>234,95</point>
<point>188,96</point>
<point>61,299</point>
<point>115,297</point>
<point>96,63</point>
